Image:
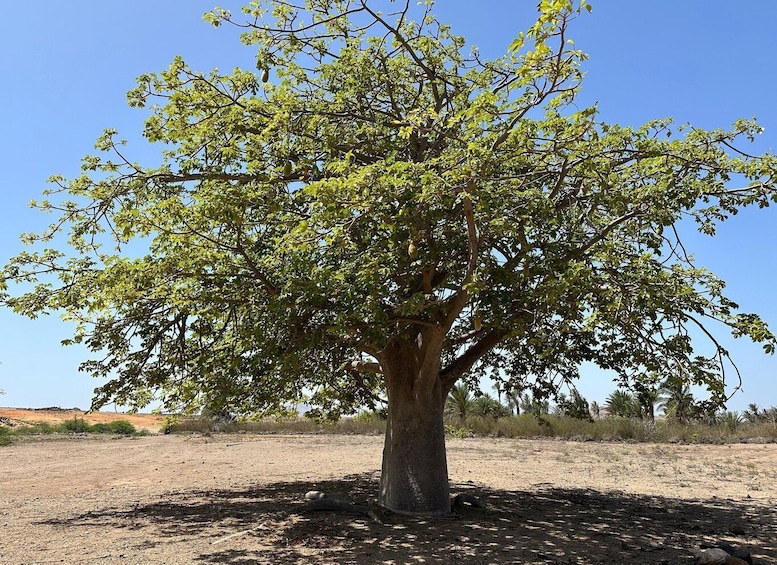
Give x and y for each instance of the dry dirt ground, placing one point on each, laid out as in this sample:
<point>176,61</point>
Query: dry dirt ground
<point>231,499</point>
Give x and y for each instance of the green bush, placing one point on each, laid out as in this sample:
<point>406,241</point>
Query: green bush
<point>458,432</point>
<point>76,425</point>
<point>38,428</point>
<point>122,427</point>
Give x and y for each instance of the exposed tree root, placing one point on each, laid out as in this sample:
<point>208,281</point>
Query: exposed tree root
<point>335,504</point>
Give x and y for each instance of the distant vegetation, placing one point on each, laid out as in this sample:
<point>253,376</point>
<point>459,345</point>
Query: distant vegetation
<point>667,412</point>
<point>623,417</point>
<point>74,426</point>
<point>727,429</point>
<point>663,416</point>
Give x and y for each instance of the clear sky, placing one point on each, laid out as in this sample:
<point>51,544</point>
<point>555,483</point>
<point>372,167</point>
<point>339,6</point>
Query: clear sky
<point>67,66</point>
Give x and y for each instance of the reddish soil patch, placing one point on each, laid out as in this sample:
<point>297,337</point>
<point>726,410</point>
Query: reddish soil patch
<point>23,416</point>
<point>231,499</point>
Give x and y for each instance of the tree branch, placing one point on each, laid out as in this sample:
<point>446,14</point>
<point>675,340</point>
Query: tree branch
<point>459,299</point>
<point>456,368</point>
<point>366,367</point>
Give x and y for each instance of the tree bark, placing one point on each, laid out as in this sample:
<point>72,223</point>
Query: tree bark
<point>414,477</point>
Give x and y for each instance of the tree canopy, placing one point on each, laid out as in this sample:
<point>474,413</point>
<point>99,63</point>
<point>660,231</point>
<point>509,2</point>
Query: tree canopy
<point>371,180</point>
<point>374,194</point>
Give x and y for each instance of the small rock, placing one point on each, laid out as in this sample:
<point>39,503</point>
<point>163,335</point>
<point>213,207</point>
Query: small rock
<point>314,495</point>
<point>712,556</point>
<point>737,529</point>
<point>734,556</point>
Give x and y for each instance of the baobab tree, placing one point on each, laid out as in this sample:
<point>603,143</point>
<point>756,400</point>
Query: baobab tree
<point>374,209</point>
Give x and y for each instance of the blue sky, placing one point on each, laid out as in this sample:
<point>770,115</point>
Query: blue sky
<point>68,65</point>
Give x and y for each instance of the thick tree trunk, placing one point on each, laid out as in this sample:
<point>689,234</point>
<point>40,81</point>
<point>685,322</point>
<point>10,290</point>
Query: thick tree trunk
<point>414,478</point>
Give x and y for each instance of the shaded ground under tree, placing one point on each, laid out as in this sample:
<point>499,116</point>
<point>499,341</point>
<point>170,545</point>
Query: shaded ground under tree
<point>547,525</point>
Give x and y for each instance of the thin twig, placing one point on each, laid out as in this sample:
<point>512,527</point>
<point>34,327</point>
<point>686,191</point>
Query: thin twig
<point>237,534</point>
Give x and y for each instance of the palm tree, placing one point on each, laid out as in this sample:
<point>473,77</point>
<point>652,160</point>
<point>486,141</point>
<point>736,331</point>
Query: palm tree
<point>751,413</point>
<point>486,405</point>
<point>529,404</point>
<point>621,403</point>
<point>677,401</point>
<point>574,406</point>
<point>514,399</point>
<point>498,390</point>
<point>646,399</point>
<point>730,420</point>
<point>460,401</point>
<point>526,402</point>
<point>770,415</point>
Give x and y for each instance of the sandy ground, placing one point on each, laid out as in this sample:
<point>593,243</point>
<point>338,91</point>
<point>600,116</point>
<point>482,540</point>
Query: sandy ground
<point>229,499</point>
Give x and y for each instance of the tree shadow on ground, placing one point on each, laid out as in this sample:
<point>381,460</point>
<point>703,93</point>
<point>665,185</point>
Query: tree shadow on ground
<point>544,525</point>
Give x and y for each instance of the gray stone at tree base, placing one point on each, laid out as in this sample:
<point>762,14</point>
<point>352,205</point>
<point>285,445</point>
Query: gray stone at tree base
<point>740,554</point>
<point>719,556</point>
<point>710,556</point>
